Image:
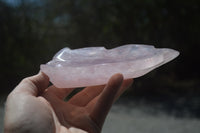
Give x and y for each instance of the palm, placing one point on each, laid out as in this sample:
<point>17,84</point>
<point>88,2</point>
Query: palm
<point>86,110</point>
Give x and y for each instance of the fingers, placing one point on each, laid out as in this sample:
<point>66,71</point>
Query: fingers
<point>61,93</point>
<point>34,85</point>
<point>125,85</point>
<point>86,95</point>
<point>106,99</point>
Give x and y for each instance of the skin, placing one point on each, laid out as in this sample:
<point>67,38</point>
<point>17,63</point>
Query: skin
<point>35,107</point>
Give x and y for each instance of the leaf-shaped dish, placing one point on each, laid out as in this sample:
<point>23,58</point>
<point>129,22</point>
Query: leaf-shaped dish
<point>95,65</point>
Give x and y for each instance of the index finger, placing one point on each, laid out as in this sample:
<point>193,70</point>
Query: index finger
<point>106,99</point>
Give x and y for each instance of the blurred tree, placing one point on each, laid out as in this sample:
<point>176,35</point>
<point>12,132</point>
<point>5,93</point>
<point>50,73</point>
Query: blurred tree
<point>31,31</point>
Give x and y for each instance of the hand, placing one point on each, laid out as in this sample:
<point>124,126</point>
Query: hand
<point>36,108</point>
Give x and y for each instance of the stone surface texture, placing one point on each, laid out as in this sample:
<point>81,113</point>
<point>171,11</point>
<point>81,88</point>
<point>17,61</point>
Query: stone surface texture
<point>95,65</point>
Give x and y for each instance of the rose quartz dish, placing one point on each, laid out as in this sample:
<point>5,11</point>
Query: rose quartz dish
<point>95,65</point>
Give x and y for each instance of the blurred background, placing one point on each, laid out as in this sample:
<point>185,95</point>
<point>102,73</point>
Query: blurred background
<point>165,100</point>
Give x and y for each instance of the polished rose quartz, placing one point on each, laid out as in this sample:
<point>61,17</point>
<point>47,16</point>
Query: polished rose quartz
<point>95,65</point>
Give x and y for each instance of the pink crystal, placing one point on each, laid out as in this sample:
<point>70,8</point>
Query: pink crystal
<point>95,65</point>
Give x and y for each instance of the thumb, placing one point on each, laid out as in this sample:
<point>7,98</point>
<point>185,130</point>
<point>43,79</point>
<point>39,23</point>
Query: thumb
<point>33,85</point>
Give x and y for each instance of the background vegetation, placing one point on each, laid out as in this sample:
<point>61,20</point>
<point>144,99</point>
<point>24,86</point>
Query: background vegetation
<point>32,31</point>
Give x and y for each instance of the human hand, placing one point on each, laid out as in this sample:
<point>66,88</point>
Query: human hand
<point>36,108</point>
